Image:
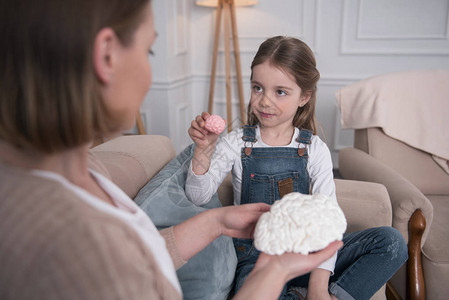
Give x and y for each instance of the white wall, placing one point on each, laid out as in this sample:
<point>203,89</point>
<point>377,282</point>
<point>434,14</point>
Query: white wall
<point>352,40</point>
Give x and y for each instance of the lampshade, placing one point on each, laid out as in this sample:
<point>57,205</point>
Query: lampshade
<point>214,3</point>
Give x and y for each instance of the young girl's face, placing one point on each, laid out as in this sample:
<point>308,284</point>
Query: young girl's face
<point>275,96</point>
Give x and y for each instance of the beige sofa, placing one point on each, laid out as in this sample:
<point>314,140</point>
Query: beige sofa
<point>133,160</point>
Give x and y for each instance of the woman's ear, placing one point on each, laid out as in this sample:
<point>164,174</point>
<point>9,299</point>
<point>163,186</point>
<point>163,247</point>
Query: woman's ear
<point>305,97</point>
<point>104,54</point>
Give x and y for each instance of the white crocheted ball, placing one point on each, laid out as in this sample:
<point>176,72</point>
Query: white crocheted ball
<point>299,223</point>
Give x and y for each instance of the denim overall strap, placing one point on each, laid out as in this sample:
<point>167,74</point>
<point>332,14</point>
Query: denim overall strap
<point>249,136</point>
<point>304,137</point>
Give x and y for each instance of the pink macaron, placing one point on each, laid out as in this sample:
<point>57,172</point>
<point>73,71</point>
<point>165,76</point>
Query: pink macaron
<point>215,124</point>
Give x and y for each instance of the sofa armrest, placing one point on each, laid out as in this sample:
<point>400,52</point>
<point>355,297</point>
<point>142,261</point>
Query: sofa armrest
<point>226,191</point>
<point>405,197</point>
<point>365,204</point>
<point>134,159</point>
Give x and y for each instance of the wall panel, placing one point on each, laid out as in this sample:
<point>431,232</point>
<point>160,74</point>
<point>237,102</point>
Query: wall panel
<point>351,39</point>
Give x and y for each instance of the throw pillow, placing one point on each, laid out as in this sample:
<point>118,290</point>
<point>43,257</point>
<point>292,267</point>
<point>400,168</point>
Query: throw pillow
<point>210,273</point>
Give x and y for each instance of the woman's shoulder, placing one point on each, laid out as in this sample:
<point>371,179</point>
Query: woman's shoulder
<point>56,222</point>
<point>46,209</point>
<point>47,221</point>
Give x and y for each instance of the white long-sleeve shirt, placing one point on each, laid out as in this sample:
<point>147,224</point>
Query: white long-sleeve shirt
<point>227,157</point>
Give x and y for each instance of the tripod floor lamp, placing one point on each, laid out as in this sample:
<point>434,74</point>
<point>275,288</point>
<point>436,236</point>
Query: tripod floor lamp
<point>139,124</point>
<point>227,8</point>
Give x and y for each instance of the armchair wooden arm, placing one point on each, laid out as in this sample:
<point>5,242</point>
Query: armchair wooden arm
<point>415,277</point>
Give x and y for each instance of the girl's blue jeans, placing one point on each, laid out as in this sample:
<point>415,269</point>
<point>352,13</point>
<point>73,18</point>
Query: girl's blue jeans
<point>364,264</point>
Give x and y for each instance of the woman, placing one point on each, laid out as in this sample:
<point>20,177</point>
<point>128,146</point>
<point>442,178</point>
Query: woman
<point>72,71</point>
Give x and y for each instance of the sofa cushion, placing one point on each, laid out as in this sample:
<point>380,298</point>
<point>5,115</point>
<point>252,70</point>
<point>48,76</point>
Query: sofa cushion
<point>209,274</point>
<point>436,247</point>
<point>226,191</point>
<point>424,172</point>
<point>132,160</point>
<point>357,197</point>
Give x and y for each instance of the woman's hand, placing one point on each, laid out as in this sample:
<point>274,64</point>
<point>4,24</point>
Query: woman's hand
<point>239,221</point>
<point>272,272</point>
<point>202,138</point>
<point>295,264</point>
<point>194,234</point>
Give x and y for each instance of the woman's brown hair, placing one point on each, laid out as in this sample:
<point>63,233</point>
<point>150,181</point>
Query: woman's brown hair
<point>49,94</point>
<point>294,57</point>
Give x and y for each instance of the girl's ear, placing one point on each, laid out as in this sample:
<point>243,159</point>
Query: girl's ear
<point>104,54</point>
<point>305,97</point>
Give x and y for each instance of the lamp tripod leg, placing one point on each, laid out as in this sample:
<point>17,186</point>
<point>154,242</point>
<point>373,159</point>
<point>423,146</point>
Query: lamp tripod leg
<point>229,23</point>
<point>139,124</point>
<point>228,65</point>
<point>214,57</point>
<point>238,64</point>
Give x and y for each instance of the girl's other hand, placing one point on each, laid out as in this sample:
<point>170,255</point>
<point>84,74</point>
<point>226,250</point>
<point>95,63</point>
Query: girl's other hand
<point>199,134</point>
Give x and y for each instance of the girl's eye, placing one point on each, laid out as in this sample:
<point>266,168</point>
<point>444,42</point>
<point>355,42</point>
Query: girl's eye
<point>150,52</point>
<point>281,93</point>
<point>257,89</point>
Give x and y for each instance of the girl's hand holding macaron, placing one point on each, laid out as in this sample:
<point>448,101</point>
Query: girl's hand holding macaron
<point>205,129</point>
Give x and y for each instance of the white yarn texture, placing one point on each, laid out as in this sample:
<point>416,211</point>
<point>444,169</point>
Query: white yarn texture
<point>299,223</point>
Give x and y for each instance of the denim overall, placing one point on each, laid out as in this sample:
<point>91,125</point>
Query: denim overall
<point>267,175</point>
<point>366,261</point>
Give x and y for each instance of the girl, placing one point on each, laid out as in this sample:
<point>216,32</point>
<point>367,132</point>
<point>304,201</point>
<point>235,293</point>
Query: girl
<point>278,152</point>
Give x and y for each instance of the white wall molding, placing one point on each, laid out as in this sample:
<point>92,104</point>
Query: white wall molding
<point>179,11</point>
<point>317,26</point>
<point>181,114</point>
<point>338,81</point>
<point>167,109</point>
<point>342,137</point>
<point>306,28</point>
<point>300,25</point>
<point>409,35</point>
<point>357,23</point>
<point>172,84</point>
